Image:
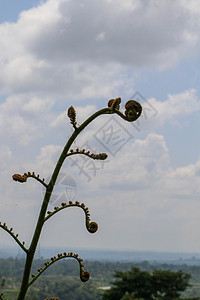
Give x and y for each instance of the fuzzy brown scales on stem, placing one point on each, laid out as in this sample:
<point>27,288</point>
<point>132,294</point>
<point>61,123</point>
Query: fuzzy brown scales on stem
<point>37,177</point>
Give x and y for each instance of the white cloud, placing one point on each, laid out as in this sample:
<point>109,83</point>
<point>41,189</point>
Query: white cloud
<point>138,165</point>
<point>176,109</point>
<point>90,50</point>
<point>135,32</point>
<point>84,49</point>
<point>181,104</point>
<point>46,160</point>
<point>82,113</point>
<point>5,154</point>
<point>157,204</point>
<point>184,181</point>
<point>138,188</point>
<point>21,117</point>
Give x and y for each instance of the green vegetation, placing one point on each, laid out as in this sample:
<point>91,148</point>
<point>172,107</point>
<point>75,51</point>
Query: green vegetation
<point>61,280</point>
<point>139,284</point>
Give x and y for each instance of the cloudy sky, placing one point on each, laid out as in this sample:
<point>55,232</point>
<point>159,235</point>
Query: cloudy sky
<point>58,53</point>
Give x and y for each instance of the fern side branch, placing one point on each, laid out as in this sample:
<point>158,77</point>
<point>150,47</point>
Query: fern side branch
<point>23,178</point>
<point>100,156</point>
<point>84,275</point>
<point>15,237</point>
<point>91,226</point>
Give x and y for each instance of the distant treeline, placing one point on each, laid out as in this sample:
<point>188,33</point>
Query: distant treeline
<point>14,267</point>
<point>62,278</point>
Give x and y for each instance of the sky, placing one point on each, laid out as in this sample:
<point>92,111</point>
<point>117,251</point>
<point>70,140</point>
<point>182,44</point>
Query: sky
<point>58,53</point>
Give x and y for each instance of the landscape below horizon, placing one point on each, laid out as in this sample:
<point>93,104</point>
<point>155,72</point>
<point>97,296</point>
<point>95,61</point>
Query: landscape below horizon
<point>111,255</point>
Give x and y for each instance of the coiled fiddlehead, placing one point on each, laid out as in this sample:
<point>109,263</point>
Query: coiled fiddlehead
<point>92,227</point>
<point>84,275</point>
<point>133,109</point>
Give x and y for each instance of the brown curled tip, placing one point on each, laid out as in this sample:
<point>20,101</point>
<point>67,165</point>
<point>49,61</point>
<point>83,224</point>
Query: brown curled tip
<point>103,156</point>
<point>85,276</point>
<point>71,112</point>
<point>133,110</point>
<point>19,178</point>
<point>92,227</point>
<point>72,115</point>
<point>114,103</point>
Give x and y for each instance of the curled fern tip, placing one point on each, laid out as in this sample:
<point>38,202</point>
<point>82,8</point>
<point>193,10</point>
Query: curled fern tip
<point>133,110</point>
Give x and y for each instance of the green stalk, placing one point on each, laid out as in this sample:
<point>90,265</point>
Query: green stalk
<point>47,196</point>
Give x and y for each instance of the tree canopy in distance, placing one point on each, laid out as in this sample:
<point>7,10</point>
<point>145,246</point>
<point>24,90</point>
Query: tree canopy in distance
<point>143,285</point>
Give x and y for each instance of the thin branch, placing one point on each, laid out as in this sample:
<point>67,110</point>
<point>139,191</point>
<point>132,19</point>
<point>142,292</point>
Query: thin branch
<point>84,275</point>
<point>100,156</point>
<point>23,178</point>
<point>15,237</point>
<point>37,178</point>
<point>91,226</point>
